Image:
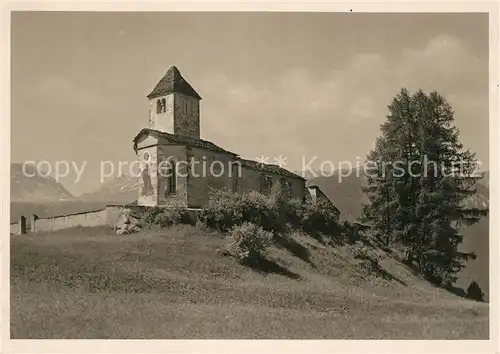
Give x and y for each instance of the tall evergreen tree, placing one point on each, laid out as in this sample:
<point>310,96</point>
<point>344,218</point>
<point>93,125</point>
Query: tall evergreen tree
<point>419,189</point>
<point>380,195</point>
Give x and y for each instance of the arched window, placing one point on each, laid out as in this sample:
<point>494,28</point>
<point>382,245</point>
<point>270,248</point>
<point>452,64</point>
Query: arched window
<point>266,184</point>
<point>286,187</point>
<point>163,105</point>
<point>171,183</point>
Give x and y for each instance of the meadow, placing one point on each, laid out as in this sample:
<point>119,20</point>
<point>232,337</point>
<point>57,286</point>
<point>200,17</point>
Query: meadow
<point>175,283</point>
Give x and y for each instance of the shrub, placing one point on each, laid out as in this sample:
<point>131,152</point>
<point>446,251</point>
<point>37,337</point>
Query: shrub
<point>359,250</point>
<point>474,292</point>
<point>150,215</point>
<point>296,213</point>
<point>263,211</point>
<point>226,210</point>
<point>248,242</point>
<point>436,270</point>
<point>223,210</point>
<point>366,259</point>
<point>313,217</point>
<point>278,203</point>
<point>273,213</point>
<point>352,232</point>
<point>319,216</point>
<point>164,217</point>
<point>368,265</point>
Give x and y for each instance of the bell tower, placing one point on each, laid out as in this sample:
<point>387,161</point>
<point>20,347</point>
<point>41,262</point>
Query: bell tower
<point>174,106</point>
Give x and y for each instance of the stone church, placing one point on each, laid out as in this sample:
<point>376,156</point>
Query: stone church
<point>179,168</point>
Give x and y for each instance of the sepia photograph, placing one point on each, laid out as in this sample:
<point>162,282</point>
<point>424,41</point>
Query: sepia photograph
<point>249,175</point>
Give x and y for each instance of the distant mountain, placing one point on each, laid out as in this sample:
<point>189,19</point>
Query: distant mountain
<point>30,186</point>
<point>345,192</point>
<point>485,181</point>
<point>344,189</point>
<point>121,189</point>
<point>310,174</point>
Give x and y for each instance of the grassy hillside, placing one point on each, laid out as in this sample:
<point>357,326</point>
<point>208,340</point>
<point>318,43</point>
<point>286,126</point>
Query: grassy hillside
<point>172,283</point>
<point>347,195</point>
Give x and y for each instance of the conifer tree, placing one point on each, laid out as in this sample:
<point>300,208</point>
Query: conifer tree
<point>419,189</point>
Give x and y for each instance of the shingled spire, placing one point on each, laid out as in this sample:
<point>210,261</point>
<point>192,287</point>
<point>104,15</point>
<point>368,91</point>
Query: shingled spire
<point>173,82</point>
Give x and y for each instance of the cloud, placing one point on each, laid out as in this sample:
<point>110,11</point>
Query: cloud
<point>57,88</point>
<point>339,113</point>
<point>444,62</point>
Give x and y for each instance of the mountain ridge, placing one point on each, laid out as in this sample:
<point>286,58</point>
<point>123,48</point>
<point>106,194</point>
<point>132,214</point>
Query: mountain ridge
<point>27,184</point>
<point>120,189</point>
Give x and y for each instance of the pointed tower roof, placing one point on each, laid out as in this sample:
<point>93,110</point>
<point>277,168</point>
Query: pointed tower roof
<point>173,82</point>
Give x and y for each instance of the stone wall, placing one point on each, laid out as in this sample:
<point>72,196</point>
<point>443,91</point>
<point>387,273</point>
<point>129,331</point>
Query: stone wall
<point>207,175</point>
<point>298,187</point>
<point>103,217</point>
<point>317,195</point>
<point>148,187</point>
<point>251,181</point>
<point>88,219</point>
<point>15,228</point>
<point>113,213</point>
<point>178,154</point>
<point>163,121</point>
<point>186,116</point>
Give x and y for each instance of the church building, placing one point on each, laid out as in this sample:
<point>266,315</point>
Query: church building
<point>179,168</point>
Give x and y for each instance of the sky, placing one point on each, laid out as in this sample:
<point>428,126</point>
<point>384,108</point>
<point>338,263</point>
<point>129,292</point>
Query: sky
<point>311,87</point>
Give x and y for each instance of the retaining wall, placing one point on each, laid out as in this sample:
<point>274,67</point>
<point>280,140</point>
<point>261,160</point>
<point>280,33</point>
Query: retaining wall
<point>102,217</point>
<point>15,228</point>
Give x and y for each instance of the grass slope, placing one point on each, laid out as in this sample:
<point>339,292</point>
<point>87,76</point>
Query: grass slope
<point>172,283</point>
<point>347,195</point>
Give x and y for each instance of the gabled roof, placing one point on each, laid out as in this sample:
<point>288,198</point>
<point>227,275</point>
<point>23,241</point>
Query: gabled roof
<point>208,145</point>
<point>173,82</point>
<point>182,140</point>
<point>274,169</point>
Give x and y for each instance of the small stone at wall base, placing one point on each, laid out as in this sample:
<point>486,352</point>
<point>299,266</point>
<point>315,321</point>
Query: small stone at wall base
<point>127,223</point>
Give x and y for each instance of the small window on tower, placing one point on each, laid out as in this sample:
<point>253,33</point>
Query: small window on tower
<point>193,109</point>
<point>158,106</point>
<point>163,105</point>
